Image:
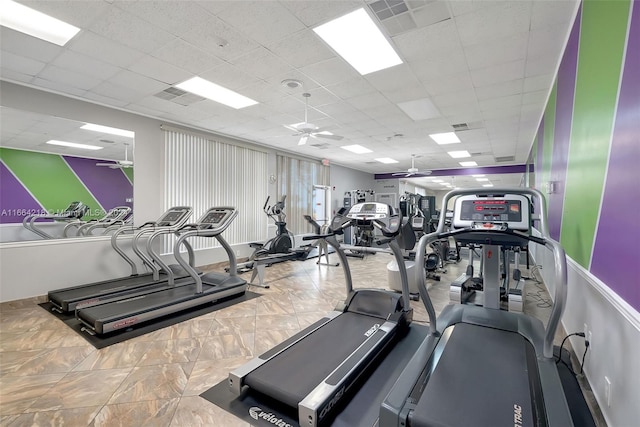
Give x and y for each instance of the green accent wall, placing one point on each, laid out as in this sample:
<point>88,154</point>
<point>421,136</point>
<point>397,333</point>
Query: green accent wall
<point>129,173</point>
<point>547,138</point>
<point>50,180</point>
<point>602,40</point>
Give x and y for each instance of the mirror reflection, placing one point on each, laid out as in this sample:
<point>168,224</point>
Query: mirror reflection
<point>62,178</point>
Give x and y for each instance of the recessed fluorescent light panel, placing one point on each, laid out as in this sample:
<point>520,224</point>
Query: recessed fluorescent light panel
<point>482,179</point>
<point>358,149</point>
<point>459,154</point>
<point>74,145</point>
<point>359,41</point>
<point>487,185</point>
<point>29,21</point>
<point>386,160</point>
<point>477,176</point>
<point>419,109</point>
<point>468,164</point>
<point>438,180</point>
<point>217,93</point>
<point>445,138</point>
<point>109,130</point>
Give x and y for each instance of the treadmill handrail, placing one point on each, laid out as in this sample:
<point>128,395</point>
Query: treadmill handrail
<point>160,264</point>
<point>217,233</point>
<point>560,262</point>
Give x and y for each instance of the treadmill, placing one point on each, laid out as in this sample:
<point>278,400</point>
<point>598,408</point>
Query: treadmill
<point>316,370</point>
<point>71,213</point>
<point>482,366</point>
<point>68,299</point>
<point>198,290</point>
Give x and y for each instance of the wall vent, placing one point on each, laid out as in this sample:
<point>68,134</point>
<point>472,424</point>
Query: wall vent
<point>321,146</point>
<point>399,16</point>
<point>505,159</point>
<point>460,126</point>
<point>179,96</point>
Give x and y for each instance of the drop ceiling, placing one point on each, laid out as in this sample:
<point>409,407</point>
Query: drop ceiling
<point>487,64</point>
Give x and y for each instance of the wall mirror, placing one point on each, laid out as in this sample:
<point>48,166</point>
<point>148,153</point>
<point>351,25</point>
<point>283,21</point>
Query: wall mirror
<point>47,163</point>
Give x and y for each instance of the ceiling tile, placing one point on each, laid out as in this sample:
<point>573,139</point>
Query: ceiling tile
<point>229,76</point>
<point>330,72</point>
<point>187,56</point>
<point>313,13</point>
<point>433,41</point>
<point>432,69</point>
<point>541,65</point>
<point>498,51</point>
<point>69,77</point>
<point>30,47</point>
<point>160,70</point>
<point>493,21</point>
<point>300,49</point>
<point>138,83</point>
<point>168,15</point>
<point>260,20</point>
<point>261,63</point>
<point>500,89</point>
<point>129,30</point>
<point>512,101</point>
<point>83,64</point>
<point>451,83</point>
<point>220,39</point>
<point>58,86</point>
<point>75,12</point>
<point>541,81</point>
<point>545,13</point>
<point>498,74</point>
<point>20,64</point>
<point>104,49</point>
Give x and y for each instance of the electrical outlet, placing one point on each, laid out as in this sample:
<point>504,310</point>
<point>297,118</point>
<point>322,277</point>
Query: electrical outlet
<point>607,391</point>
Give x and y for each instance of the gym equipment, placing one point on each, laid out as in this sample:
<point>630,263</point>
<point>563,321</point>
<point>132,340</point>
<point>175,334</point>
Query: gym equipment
<point>73,212</point>
<point>68,299</point>
<point>315,370</point>
<point>115,216</point>
<point>355,236</point>
<point>208,288</point>
<point>283,241</point>
<point>321,244</point>
<point>498,364</point>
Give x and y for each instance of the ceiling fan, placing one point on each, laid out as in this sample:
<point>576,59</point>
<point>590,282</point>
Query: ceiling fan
<point>119,164</point>
<point>306,129</point>
<point>413,170</point>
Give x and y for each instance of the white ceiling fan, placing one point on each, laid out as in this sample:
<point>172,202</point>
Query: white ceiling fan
<point>306,129</point>
<point>119,164</point>
<point>413,170</point>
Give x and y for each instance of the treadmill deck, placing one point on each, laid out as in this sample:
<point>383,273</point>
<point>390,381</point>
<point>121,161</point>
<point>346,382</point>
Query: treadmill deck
<point>475,384</point>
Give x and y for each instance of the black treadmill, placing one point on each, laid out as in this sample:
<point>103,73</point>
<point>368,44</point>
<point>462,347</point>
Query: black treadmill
<point>68,299</point>
<point>481,366</point>
<point>196,291</point>
<point>317,369</point>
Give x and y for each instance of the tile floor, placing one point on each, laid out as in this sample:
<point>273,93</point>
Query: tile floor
<point>51,376</point>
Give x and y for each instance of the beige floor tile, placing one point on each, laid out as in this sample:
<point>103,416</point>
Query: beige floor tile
<point>153,383</point>
<point>194,411</point>
<point>80,389</point>
<point>171,351</point>
<point>122,355</point>
<point>38,362</point>
<point>227,346</point>
<point>63,417</point>
<point>151,413</point>
<point>17,394</point>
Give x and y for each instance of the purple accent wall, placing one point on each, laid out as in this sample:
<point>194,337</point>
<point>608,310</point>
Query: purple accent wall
<point>489,170</point>
<point>562,133</point>
<point>15,200</point>
<point>538,165</point>
<point>109,186</point>
<point>615,256</point>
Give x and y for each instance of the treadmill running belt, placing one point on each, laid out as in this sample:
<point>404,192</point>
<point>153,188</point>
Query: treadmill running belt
<point>295,372</point>
<point>481,379</point>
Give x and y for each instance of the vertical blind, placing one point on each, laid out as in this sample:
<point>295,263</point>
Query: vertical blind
<point>296,179</point>
<point>202,173</point>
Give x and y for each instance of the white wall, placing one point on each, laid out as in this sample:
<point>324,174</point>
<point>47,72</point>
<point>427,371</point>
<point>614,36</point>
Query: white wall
<point>343,179</point>
<point>614,349</point>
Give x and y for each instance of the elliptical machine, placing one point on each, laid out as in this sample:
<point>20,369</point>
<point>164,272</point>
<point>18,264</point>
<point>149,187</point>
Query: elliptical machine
<point>283,241</point>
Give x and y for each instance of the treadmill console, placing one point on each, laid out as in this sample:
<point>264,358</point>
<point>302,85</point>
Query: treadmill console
<point>117,214</point>
<point>173,217</point>
<point>383,216</point>
<point>492,212</point>
<point>215,218</point>
<point>74,210</point>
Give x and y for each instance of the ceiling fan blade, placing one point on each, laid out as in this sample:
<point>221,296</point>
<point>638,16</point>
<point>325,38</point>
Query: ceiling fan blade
<point>327,136</point>
<point>303,139</point>
<point>405,174</point>
<point>291,128</point>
